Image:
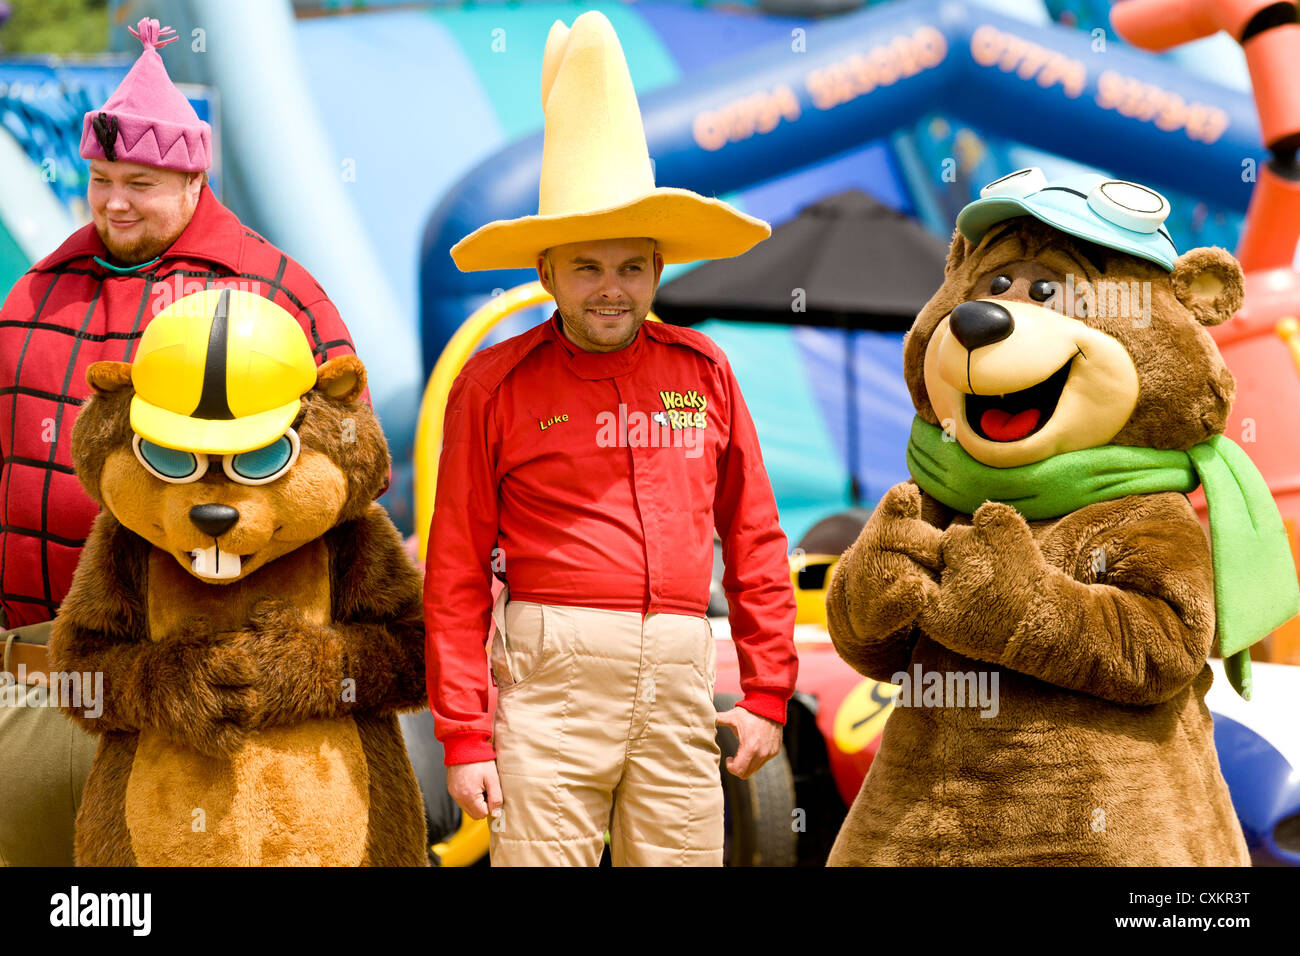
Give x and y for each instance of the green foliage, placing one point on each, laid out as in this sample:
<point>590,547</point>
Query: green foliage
<point>56,26</point>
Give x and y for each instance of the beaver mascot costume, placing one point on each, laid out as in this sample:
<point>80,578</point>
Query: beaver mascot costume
<point>254,615</point>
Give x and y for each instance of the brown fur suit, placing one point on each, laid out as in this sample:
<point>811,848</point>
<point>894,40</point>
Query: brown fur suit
<point>1102,750</point>
<point>255,721</point>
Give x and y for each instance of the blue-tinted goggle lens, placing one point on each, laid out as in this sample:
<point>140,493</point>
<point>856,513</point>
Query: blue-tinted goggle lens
<point>263,462</point>
<point>168,461</point>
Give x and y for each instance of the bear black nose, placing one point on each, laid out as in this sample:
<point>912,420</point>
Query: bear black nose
<point>980,323</point>
<point>213,519</point>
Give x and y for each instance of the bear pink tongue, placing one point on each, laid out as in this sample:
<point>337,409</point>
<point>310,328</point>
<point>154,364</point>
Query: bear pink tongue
<point>1003,426</point>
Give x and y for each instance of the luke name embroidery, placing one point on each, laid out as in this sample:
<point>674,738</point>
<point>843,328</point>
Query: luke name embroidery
<point>553,420</point>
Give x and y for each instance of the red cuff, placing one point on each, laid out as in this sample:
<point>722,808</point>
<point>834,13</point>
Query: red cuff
<point>468,747</point>
<point>765,704</point>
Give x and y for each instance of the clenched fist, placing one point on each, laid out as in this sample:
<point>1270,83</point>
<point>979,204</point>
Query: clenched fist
<point>991,571</point>
<point>882,584</point>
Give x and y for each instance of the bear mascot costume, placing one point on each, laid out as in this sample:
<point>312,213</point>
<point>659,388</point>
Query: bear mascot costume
<point>256,621</point>
<point>1068,398</point>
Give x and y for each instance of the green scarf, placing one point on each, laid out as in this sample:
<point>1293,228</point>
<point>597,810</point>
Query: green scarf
<point>1255,586</point>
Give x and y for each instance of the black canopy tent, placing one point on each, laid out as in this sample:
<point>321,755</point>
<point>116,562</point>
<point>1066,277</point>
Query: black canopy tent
<point>845,262</point>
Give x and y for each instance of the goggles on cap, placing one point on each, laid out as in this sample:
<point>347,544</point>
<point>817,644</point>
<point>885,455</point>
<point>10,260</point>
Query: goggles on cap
<point>1119,202</point>
<point>257,467</point>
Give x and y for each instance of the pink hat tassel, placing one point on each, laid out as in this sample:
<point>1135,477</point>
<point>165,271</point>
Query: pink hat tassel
<point>152,35</point>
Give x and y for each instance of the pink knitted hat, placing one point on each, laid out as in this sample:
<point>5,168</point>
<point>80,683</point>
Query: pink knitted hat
<point>147,120</point>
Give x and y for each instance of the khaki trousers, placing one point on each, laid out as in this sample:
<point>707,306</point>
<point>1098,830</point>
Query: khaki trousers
<point>45,759</point>
<point>605,721</point>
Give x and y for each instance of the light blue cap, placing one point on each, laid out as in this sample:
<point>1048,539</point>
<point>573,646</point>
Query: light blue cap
<point>1113,213</point>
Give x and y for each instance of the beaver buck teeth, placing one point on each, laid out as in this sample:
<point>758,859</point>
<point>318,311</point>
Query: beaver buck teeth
<point>1016,415</point>
<point>215,564</point>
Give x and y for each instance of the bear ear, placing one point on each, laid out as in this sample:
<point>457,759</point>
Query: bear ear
<point>342,378</point>
<point>108,377</point>
<point>1208,281</point>
<point>957,253</point>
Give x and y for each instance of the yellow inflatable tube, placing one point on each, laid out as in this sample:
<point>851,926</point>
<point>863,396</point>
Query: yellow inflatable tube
<point>428,431</point>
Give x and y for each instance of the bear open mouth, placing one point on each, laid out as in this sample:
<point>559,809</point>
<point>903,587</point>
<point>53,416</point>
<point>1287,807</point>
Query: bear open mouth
<point>1016,415</point>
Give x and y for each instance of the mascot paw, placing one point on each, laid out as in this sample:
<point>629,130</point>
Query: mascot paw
<point>889,607</point>
<point>198,690</point>
<point>299,664</point>
<point>990,572</point>
<point>891,573</point>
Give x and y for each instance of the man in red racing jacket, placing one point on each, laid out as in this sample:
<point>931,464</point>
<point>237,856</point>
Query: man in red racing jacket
<point>586,463</point>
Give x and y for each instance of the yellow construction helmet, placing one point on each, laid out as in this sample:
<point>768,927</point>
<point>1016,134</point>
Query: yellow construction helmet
<point>220,371</point>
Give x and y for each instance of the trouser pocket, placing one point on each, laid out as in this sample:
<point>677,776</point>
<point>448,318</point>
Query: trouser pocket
<point>519,648</point>
<point>709,656</point>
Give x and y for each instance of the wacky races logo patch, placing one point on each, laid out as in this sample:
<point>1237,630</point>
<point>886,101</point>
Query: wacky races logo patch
<point>682,410</point>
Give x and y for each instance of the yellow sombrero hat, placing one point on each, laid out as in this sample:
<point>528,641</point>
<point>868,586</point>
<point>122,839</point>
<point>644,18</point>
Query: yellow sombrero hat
<point>220,371</point>
<point>597,181</point>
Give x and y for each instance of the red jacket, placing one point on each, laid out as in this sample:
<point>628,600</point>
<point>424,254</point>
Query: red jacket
<point>69,311</point>
<point>600,478</point>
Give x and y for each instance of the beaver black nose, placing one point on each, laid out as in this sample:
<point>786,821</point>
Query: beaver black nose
<point>213,519</point>
<point>980,323</point>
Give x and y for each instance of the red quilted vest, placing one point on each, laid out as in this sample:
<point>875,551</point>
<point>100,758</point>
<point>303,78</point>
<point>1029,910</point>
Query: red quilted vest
<point>71,310</point>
